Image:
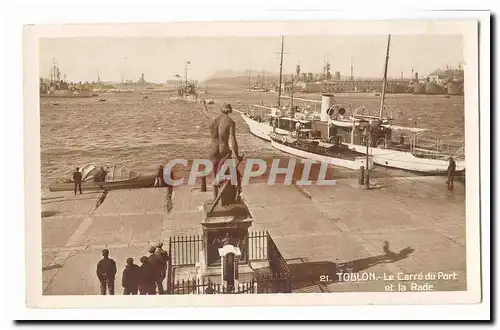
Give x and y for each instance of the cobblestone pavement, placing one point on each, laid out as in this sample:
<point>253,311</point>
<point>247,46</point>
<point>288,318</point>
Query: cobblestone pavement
<point>406,225</point>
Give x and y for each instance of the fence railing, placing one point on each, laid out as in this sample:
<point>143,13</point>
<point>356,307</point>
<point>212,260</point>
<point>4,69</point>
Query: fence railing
<point>269,284</point>
<point>185,250</point>
<point>257,242</point>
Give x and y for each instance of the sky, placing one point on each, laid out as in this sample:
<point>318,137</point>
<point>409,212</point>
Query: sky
<point>161,58</point>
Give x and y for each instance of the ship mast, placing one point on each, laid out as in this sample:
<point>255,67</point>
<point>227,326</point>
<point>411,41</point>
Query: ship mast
<point>281,72</point>
<point>384,83</point>
<point>249,80</point>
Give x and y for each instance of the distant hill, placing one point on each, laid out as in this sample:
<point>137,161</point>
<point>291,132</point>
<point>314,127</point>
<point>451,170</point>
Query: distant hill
<point>240,79</point>
<point>242,73</point>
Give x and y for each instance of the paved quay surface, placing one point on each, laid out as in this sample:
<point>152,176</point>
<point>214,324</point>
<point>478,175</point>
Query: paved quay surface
<point>406,226</point>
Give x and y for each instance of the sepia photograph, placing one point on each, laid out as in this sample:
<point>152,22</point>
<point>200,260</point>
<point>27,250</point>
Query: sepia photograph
<point>320,162</point>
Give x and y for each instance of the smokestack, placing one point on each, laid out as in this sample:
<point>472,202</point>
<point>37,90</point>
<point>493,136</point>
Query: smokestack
<point>326,103</point>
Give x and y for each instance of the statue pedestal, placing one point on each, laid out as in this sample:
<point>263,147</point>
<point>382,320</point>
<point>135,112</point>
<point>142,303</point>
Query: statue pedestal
<point>225,230</point>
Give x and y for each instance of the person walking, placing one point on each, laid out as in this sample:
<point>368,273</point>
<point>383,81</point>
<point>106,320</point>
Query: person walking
<point>77,180</point>
<point>106,271</point>
<point>130,278</point>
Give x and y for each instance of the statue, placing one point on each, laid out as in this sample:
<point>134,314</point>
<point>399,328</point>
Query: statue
<point>223,145</point>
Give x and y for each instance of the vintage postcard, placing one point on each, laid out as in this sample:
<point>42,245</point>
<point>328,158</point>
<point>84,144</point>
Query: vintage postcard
<point>252,163</point>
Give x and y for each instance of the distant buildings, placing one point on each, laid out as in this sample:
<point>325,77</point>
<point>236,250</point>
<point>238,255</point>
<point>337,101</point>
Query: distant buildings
<point>442,77</point>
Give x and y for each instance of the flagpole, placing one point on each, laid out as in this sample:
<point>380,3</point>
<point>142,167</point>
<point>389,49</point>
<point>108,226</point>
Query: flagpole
<point>186,71</point>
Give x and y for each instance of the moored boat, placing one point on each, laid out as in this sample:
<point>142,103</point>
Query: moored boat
<point>116,178</point>
<point>317,150</point>
<point>262,125</point>
<point>358,131</point>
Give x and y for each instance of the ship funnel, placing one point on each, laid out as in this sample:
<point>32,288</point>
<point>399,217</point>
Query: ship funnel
<point>274,112</point>
<point>326,103</point>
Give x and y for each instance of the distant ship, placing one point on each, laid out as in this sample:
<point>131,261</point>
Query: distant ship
<point>419,88</point>
<point>57,87</point>
<point>258,89</point>
<point>455,87</point>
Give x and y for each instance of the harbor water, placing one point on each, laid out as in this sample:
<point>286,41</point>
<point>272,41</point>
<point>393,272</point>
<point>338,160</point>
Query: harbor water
<point>141,133</point>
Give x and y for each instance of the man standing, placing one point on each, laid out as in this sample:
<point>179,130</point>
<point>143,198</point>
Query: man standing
<point>146,278</point>
<point>130,278</point>
<point>159,177</point>
<point>222,130</point>
<point>77,180</point>
<point>106,271</point>
<point>156,264</point>
<point>451,173</point>
<point>163,256</point>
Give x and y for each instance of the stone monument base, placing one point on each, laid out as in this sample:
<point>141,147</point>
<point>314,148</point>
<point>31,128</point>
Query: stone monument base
<point>239,210</point>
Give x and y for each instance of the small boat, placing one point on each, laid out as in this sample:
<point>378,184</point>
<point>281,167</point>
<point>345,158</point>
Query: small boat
<point>102,100</point>
<point>116,178</point>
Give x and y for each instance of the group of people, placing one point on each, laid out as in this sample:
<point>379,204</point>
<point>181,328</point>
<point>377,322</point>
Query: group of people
<point>146,279</point>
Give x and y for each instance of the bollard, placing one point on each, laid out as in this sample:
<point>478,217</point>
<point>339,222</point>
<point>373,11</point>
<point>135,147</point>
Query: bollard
<point>204,183</point>
<point>367,181</point>
<point>361,175</point>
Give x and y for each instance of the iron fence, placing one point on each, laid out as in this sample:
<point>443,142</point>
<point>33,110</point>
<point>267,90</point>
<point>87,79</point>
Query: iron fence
<point>185,250</point>
<point>257,242</point>
<point>266,284</point>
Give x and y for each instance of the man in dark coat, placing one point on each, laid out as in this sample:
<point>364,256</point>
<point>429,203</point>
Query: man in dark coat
<point>77,180</point>
<point>106,271</point>
<point>159,182</point>
<point>146,278</point>
<point>130,278</point>
<point>163,256</point>
<point>451,172</point>
<point>156,263</point>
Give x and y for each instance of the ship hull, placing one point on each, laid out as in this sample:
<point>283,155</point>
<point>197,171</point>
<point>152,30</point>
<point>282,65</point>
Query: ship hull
<point>408,161</point>
<point>141,181</point>
<point>259,129</point>
<point>353,164</point>
<point>455,88</point>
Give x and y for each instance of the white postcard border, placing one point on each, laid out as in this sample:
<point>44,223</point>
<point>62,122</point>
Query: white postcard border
<point>32,161</point>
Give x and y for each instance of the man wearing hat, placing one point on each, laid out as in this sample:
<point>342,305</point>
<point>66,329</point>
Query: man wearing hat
<point>130,278</point>
<point>106,271</point>
<point>146,280</point>
<point>163,256</point>
<point>77,180</point>
<point>222,131</point>
<point>156,264</point>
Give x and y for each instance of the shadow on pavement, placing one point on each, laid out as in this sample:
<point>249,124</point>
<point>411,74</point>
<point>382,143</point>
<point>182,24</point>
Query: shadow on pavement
<point>320,273</point>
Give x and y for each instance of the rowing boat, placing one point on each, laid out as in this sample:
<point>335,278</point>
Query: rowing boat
<point>116,178</point>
